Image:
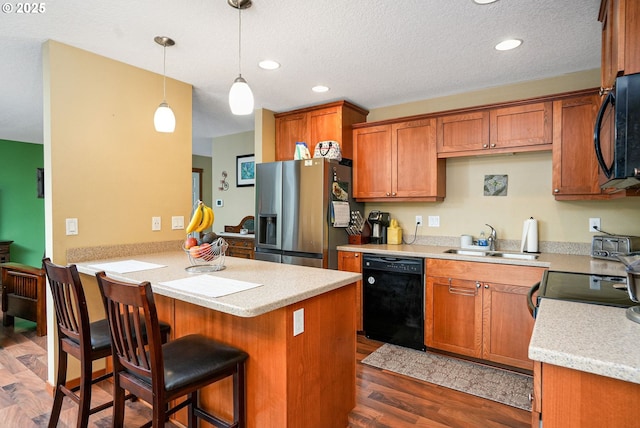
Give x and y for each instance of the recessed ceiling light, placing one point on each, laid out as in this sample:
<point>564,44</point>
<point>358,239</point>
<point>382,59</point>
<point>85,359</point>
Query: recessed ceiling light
<point>508,44</point>
<point>320,88</point>
<point>484,1</point>
<point>268,64</point>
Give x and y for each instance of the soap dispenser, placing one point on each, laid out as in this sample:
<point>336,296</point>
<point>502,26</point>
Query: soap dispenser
<point>394,233</point>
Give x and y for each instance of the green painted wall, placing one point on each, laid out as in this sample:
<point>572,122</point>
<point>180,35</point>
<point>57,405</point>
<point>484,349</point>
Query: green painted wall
<point>21,211</point>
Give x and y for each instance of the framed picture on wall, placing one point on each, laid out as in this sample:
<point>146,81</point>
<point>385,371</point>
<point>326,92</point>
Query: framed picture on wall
<point>245,170</point>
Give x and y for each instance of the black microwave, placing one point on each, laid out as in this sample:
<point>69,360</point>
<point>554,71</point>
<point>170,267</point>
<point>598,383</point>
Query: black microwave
<point>617,135</point>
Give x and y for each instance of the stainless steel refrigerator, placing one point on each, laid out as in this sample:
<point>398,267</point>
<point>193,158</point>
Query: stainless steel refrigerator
<point>297,204</point>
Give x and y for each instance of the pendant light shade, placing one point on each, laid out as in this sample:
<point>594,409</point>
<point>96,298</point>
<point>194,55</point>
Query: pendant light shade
<point>240,95</point>
<point>164,120</point>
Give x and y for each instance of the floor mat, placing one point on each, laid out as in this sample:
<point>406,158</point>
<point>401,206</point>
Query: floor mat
<point>494,384</point>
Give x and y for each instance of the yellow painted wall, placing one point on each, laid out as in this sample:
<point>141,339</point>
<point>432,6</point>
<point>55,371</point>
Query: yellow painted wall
<point>106,165</point>
<point>465,210</point>
<point>104,162</point>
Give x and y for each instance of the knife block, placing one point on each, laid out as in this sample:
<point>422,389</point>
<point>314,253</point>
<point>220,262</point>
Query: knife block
<point>363,238</point>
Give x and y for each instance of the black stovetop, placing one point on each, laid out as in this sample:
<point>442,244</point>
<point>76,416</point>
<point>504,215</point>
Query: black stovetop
<point>585,288</point>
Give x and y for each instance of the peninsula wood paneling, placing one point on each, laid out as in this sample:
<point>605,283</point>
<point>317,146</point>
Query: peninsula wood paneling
<point>287,377</point>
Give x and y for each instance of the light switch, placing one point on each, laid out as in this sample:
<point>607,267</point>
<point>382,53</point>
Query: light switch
<point>72,226</point>
<point>298,321</point>
<point>177,222</point>
<point>156,223</point>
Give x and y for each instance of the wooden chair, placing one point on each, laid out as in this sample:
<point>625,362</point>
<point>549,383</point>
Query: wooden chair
<point>159,373</point>
<point>86,341</point>
<point>24,296</point>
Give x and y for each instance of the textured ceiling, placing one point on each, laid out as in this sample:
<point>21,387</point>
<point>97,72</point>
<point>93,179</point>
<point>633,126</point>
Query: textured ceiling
<point>374,53</point>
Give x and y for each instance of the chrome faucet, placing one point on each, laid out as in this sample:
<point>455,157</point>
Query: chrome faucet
<point>493,237</point>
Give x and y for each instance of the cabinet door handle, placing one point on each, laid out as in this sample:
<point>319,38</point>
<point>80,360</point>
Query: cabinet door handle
<point>486,286</point>
<point>556,190</point>
<point>493,145</point>
<point>387,194</point>
<point>484,146</point>
<point>393,193</point>
<point>463,291</point>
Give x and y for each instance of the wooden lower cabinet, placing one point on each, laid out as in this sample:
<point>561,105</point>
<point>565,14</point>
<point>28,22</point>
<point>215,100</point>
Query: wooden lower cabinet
<point>480,310</point>
<point>568,398</point>
<point>352,262</point>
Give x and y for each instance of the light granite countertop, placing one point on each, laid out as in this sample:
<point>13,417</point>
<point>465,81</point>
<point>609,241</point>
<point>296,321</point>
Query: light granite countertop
<point>282,284</point>
<point>551,261</point>
<point>590,338</point>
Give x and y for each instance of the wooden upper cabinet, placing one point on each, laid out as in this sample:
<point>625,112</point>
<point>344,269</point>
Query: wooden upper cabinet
<point>416,170</point>
<point>289,130</point>
<point>508,129</point>
<point>521,126</point>
<point>372,162</point>
<point>620,33</point>
<point>575,167</point>
<point>320,123</point>
<point>463,132</point>
<point>398,161</point>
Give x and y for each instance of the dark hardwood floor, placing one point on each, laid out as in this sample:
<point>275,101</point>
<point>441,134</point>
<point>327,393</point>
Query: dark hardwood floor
<point>24,399</point>
<point>383,399</point>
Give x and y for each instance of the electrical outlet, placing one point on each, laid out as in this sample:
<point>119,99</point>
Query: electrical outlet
<point>434,221</point>
<point>594,224</point>
<point>419,220</point>
<point>298,321</point>
<point>156,223</point>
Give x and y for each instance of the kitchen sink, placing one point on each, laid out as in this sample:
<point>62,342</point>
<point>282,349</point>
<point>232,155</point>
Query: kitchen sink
<point>500,254</point>
<point>520,256</point>
<point>467,252</point>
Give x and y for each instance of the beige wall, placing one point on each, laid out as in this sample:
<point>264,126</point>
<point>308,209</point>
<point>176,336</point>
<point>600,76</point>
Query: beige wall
<point>265,136</point>
<point>465,210</point>
<point>238,201</point>
<point>104,163</point>
<point>206,164</point>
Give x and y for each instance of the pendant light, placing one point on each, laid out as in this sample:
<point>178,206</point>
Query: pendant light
<point>164,119</point>
<point>240,95</point>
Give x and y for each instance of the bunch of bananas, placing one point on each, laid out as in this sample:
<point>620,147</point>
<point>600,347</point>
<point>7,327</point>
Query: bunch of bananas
<point>201,219</point>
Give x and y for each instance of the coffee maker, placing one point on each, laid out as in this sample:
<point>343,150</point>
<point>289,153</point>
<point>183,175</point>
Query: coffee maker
<point>379,222</point>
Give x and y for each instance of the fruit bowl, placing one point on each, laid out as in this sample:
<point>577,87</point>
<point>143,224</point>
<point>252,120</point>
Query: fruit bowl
<point>206,257</point>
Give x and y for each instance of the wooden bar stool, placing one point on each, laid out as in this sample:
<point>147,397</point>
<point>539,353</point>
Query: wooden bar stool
<point>86,341</point>
<point>160,373</point>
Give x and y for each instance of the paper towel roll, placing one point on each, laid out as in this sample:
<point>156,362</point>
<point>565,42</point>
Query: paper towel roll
<point>530,236</point>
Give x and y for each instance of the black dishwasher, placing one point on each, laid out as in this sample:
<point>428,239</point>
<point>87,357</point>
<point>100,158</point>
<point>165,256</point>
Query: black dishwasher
<point>393,300</point>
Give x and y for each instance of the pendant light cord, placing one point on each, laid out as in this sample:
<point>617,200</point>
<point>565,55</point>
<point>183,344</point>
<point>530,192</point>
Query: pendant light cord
<point>239,39</point>
<point>164,73</point>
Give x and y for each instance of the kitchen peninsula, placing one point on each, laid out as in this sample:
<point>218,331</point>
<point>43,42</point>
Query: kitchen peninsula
<point>292,380</point>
